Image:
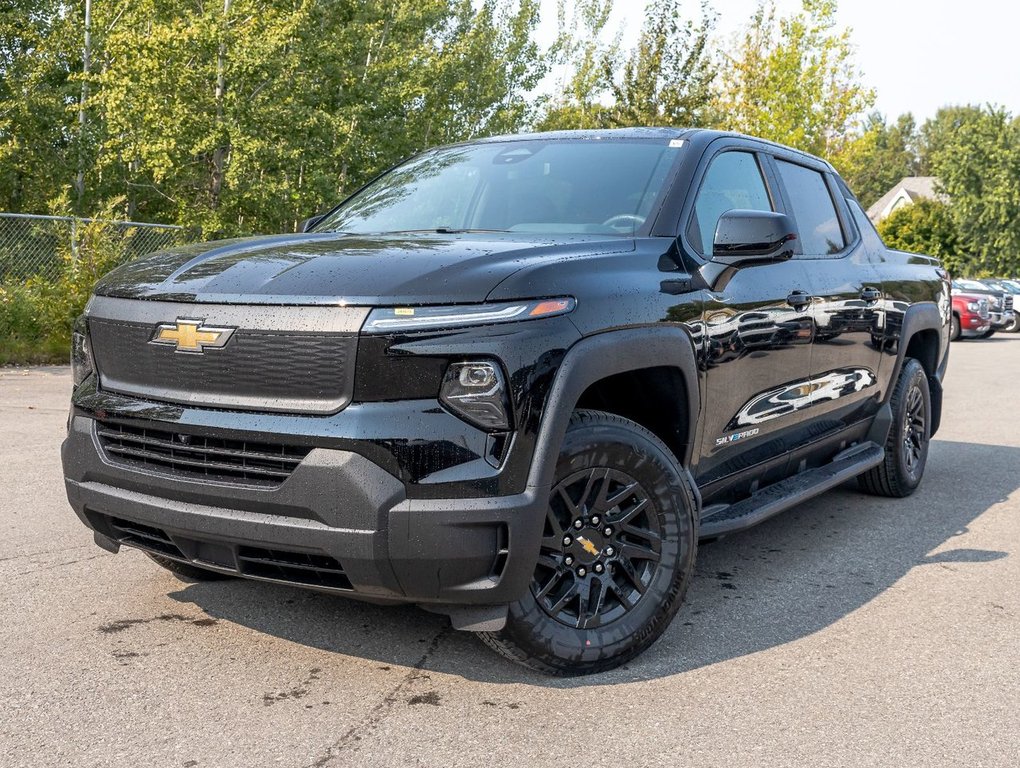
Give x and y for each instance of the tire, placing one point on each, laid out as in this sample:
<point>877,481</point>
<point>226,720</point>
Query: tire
<point>633,556</point>
<point>954,330</point>
<point>1013,325</point>
<point>906,449</point>
<point>187,572</point>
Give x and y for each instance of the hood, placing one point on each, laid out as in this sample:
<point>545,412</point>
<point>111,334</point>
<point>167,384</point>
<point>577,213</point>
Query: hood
<point>332,268</point>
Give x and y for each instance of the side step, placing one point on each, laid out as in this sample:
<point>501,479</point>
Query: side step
<point>788,493</point>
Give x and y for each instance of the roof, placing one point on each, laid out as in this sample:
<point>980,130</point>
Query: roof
<point>910,189</point>
<point>704,135</point>
<point>592,134</point>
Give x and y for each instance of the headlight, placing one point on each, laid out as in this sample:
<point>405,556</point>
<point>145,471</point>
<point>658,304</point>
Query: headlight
<point>973,306</point>
<point>81,352</point>
<point>389,319</point>
<point>476,392</point>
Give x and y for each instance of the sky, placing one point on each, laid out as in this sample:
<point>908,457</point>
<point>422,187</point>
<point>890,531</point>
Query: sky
<point>918,56</point>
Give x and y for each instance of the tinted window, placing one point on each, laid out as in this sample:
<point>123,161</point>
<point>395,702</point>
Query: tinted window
<point>733,181</point>
<point>812,205</point>
<point>556,187</point>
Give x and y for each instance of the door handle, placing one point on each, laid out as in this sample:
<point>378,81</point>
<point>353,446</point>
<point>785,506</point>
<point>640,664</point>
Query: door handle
<point>798,299</point>
<point>871,295</point>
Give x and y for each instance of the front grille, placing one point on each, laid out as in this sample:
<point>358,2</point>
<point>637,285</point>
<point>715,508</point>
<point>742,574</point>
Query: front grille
<point>199,456</point>
<point>276,359</point>
<point>294,567</point>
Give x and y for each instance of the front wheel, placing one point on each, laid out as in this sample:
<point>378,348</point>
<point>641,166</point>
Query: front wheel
<point>617,552</point>
<point>954,331</point>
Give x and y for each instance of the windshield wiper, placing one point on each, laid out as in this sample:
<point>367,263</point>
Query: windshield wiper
<point>444,231</point>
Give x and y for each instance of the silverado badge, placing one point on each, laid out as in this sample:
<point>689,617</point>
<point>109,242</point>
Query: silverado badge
<point>191,336</point>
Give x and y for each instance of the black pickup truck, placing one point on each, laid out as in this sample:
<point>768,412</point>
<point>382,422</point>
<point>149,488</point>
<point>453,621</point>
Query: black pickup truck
<point>513,381</point>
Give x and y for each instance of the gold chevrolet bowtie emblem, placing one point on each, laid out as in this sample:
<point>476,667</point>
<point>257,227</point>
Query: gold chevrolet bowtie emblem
<point>191,336</point>
<point>590,548</point>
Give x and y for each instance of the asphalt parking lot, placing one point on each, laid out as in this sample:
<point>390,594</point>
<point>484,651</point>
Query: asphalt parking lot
<point>851,631</point>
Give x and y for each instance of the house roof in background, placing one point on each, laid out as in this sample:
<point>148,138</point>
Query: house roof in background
<point>910,189</point>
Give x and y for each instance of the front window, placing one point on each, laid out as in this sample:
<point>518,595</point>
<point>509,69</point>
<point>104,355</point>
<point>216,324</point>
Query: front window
<point>544,187</point>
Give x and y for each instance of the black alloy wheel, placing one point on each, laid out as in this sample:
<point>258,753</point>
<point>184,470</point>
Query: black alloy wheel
<point>616,554</point>
<point>915,431</point>
<point>601,547</point>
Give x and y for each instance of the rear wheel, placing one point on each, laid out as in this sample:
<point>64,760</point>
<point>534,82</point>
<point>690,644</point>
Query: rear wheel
<point>186,571</point>
<point>617,552</point>
<point>906,449</point>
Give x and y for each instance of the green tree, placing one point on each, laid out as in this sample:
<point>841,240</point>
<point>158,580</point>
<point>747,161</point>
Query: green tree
<point>794,80</point>
<point>40,52</point>
<point>247,115</point>
<point>665,80</point>
<point>975,153</point>
<point>882,154</point>
<point>928,227</point>
<point>586,61</point>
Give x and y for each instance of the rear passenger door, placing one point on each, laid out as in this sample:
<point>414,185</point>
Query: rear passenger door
<point>846,298</point>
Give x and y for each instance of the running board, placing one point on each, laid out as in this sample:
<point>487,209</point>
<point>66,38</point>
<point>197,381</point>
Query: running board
<point>792,491</point>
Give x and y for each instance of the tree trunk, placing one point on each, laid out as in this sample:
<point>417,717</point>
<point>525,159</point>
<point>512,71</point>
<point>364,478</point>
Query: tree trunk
<point>220,153</point>
<point>79,181</point>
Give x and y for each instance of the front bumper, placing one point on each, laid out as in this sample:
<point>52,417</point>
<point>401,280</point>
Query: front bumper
<point>338,523</point>
<point>1002,320</point>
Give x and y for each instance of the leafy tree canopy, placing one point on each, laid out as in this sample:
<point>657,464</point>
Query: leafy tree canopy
<point>794,80</point>
<point>876,159</point>
<point>928,227</point>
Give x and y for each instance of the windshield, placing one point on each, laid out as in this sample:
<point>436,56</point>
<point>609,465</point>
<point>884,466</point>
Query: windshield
<point>547,187</point>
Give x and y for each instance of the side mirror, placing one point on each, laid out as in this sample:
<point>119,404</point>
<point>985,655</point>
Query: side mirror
<point>743,237</point>
<point>308,224</point>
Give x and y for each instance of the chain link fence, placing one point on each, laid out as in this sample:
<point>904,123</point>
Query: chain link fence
<point>38,246</point>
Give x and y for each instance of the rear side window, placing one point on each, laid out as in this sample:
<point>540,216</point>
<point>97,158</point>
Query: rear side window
<point>733,181</point>
<point>809,197</point>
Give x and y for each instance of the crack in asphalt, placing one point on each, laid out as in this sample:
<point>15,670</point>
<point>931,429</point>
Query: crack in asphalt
<point>61,565</point>
<point>381,710</point>
<point>44,552</point>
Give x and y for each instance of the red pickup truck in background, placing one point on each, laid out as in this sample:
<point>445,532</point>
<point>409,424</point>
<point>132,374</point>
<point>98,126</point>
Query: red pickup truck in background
<point>971,316</point>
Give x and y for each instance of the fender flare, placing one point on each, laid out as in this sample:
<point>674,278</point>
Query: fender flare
<point>922,316</point>
<point>606,354</point>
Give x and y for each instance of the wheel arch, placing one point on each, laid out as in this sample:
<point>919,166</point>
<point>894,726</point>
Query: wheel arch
<point>921,338</point>
<point>627,363</point>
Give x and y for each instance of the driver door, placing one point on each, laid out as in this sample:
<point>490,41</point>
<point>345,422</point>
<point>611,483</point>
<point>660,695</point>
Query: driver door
<point>759,330</point>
